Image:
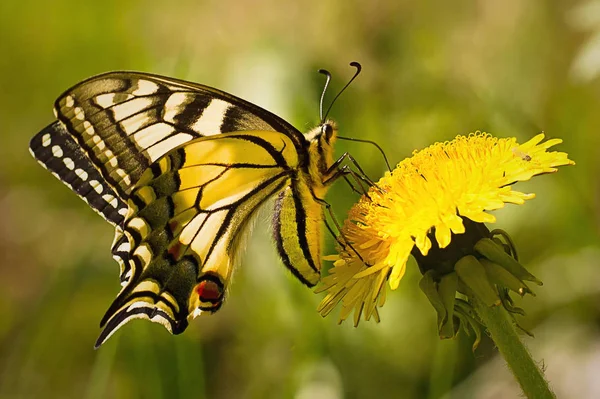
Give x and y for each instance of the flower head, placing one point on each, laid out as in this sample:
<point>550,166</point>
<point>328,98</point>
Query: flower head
<point>428,197</point>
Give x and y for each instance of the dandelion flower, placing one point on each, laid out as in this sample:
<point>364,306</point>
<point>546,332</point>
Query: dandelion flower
<point>433,205</point>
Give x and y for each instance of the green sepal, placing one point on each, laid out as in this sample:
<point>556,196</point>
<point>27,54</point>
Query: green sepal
<point>473,275</point>
<point>509,246</point>
<point>508,304</point>
<point>464,311</point>
<point>504,246</point>
<point>496,254</point>
<point>499,275</point>
<point>447,293</point>
<point>429,288</point>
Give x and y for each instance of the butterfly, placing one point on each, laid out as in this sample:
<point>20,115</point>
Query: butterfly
<point>180,169</point>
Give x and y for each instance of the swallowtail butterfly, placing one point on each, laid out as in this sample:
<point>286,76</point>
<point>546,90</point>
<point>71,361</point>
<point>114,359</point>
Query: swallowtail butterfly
<point>179,169</point>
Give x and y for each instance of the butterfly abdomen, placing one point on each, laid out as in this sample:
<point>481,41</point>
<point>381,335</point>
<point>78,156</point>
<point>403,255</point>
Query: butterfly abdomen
<point>298,218</point>
<point>297,232</point>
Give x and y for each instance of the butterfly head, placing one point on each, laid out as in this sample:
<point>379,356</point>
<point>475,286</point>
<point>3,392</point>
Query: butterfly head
<point>321,140</point>
<point>328,133</point>
<point>324,134</point>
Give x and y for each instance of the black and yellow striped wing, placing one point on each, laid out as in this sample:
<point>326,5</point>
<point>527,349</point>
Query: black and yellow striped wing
<point>111,127</point>
<point>179,169</point>
<point>187,217</point>
<point>56,150</point>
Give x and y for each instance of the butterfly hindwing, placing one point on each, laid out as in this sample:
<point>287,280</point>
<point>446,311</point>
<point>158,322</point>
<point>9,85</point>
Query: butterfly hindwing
<point>188,214</point>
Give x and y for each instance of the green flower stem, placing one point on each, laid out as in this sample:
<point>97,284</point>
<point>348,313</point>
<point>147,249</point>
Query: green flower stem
<point>502,330</point>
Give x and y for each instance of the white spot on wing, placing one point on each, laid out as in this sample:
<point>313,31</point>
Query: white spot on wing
<point>124,176</point>
<point>133,124</point>
<point>105,100</point>
<point>210,121</point>
<point>140,226</point>
<point>145,88</point>
<point>137,223</point>
<point>161,148</point>
<point>69,101</point>
<point>147,285</point>
<point>144,253</point>
<point>79,114</point>
<point>176,104</point>
<point>69,163</point>
<point>125,110</point>
<point>110,99</point>
<point>89,129</point>
<point>111,200</point>
<point>124,247</point>
<point>96,186</point>
<point>82,174</point>
<point>152,134</point>
<point>46,140</point>
<point>196,313</point>
<point>112,160</point>
<point>57,151</point>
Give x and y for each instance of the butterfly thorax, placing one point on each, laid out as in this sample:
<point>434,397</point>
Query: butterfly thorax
<point>322,139</point>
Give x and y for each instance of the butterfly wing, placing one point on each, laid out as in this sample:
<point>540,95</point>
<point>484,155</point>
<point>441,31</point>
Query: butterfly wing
<point>188,213</point>
<point>119,123</point>
<point>56,150</point>
<point>114,129</point>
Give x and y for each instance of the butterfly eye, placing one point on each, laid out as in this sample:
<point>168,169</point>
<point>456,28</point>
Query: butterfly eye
<point>327,130</point>
<point>210,290</point>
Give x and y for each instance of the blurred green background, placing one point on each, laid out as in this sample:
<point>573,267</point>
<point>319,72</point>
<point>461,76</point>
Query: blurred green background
<point>432,70</point>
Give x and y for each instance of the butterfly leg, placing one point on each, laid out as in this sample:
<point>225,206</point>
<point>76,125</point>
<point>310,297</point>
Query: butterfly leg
<point>339,240</point>
<point>363,192</point>
<point>344,171</point>
<point>333,234</point>
<point>335,171</point>
<point>336,166</point>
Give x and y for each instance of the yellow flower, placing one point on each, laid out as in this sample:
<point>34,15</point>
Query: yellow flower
<point>425,198</point>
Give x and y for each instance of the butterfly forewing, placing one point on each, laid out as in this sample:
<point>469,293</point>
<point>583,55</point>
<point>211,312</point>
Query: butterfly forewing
<point>56,150</point>
<point>124,121</point>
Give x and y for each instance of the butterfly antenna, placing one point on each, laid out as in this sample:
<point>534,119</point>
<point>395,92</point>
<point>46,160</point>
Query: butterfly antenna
<point>358,69</point>
<point>370,142</point>
<point>328,75</point>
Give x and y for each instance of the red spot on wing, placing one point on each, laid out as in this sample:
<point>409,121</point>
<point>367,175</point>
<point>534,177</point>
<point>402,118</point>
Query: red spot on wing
<point>176,250</point>
<point>209,291</point>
